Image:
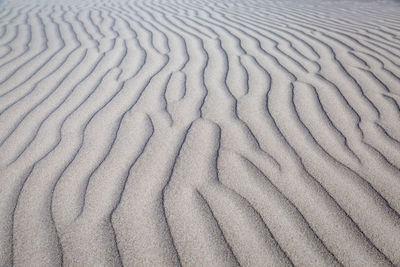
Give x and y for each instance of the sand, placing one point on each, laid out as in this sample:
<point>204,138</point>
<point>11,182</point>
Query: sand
<point>199,133</point>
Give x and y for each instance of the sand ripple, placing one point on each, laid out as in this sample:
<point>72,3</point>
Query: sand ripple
<point>199,133</point>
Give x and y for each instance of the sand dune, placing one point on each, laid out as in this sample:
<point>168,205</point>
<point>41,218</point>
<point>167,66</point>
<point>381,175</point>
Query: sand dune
<point>199,133</point>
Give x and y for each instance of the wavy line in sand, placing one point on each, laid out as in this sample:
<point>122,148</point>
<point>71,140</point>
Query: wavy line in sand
<point>199,133</point>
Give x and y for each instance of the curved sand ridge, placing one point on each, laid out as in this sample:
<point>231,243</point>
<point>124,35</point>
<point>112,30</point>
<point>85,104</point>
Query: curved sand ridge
<point>199,133</point>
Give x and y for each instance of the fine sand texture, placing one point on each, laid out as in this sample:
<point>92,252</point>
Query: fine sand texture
<point>199,133</point>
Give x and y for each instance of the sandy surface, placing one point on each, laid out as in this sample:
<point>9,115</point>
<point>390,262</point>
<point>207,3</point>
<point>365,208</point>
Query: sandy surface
<point>199,133</point>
